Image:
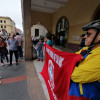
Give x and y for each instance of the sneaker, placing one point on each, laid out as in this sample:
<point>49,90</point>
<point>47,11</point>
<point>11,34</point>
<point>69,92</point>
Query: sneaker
<point>0,77</point>
<point>16,63</point>
<point>9,64</point>
<point>2,64</point>
<point>0,82</point>
<point>42,60</point>
<point>38,60</point>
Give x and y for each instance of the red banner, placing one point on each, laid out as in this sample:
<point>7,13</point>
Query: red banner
<point>57,70</point>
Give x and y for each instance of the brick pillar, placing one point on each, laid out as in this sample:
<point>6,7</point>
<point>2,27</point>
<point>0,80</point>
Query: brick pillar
<point>26,10</point>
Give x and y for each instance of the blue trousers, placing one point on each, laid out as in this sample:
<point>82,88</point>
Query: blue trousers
<point>40,54</point>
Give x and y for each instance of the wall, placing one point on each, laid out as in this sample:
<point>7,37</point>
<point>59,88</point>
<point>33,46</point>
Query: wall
<point>45,19</point>
<point>78,13</point>
<point>42,30</point>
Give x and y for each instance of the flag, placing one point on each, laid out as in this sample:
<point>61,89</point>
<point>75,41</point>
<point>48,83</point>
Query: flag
<point>4,32</point>
<point>57,70</point>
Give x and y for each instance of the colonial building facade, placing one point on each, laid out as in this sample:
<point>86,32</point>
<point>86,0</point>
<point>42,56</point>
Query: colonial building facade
<point>6,23</point>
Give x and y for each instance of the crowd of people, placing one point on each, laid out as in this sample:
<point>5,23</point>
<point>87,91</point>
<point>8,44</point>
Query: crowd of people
<point>56,40</point>
<point>14,43</point>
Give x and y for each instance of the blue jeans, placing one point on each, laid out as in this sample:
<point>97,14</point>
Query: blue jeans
<point>40,54</point>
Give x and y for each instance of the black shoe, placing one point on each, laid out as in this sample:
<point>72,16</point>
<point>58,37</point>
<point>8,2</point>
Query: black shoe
<point>9,64</point>
<point>17,63</point>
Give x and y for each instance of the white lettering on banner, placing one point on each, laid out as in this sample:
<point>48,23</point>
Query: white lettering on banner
<point>51,77</point>
<point>58,59</point>
<point>55,97</point>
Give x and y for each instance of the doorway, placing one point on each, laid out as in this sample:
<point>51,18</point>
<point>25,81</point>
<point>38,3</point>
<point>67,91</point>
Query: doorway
<point>62,31</point>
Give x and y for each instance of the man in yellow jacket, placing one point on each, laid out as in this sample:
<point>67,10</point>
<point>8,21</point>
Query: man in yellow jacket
<point>85,79</point>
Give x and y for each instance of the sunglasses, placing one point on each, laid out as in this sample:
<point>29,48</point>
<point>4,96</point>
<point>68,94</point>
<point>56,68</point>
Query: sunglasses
<point>88,34</point>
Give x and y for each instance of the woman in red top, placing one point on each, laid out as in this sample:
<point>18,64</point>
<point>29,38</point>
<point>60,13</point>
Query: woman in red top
<point>3,49</point>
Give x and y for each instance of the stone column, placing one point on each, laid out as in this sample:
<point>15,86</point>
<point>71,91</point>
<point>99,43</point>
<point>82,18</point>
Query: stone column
<point>26,7</point>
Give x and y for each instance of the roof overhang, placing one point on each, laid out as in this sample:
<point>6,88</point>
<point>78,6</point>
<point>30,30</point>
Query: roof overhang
<point>49,6</point>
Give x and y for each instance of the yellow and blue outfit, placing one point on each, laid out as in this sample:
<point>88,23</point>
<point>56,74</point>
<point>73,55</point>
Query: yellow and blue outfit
<point>85,79</point>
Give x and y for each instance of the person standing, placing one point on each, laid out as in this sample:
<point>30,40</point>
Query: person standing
<point>1,53</point>
<point>13,46</point>
<point>4,49</point>
<point>20,42</point>
<point>48,39</point>
<point>61,40</point>
<point>40,50</point>
<point>34,40</point>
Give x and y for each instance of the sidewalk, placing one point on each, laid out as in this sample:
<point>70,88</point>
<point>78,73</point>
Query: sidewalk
<point>34,86</point>
<point>39,66</point>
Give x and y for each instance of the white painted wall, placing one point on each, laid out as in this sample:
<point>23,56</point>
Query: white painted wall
<point>42,30</point>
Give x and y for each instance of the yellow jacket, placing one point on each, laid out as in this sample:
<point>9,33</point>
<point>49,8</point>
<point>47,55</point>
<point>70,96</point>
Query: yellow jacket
<point>89,69</point>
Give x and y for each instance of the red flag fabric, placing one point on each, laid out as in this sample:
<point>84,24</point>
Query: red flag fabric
<point>57,70</point>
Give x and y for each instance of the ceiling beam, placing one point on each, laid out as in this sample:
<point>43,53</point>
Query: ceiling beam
<point>58,2</point>
<point>43,10</point>
<point>41,6</point>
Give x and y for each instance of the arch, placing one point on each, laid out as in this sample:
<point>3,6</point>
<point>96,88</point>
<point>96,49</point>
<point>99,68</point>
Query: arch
<point>38,30</point>
<point>96,14</point>
<point>62,28</point>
